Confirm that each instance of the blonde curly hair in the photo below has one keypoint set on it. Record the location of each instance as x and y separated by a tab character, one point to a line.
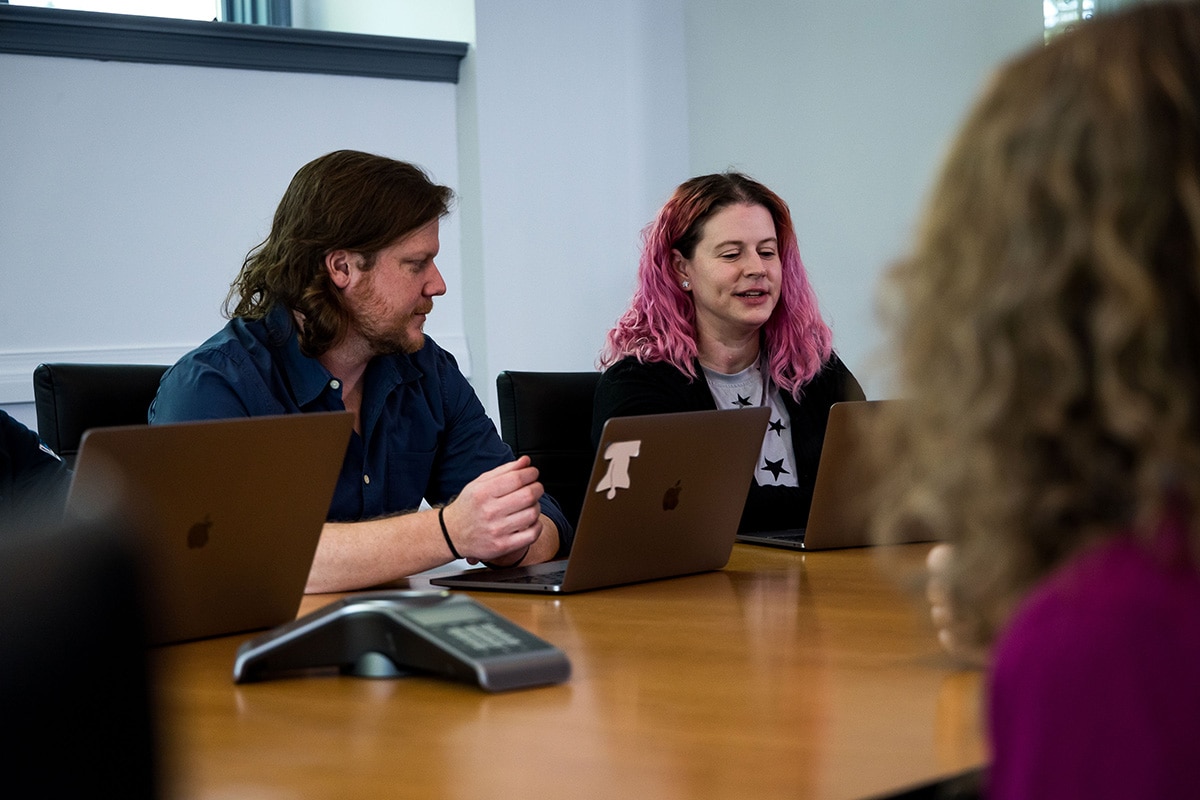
1047	320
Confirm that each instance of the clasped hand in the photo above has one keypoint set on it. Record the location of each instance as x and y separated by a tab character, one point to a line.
497	515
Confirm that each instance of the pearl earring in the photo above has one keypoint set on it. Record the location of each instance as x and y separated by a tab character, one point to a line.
687	285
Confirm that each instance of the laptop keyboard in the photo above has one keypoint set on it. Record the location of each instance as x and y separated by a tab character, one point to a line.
541	577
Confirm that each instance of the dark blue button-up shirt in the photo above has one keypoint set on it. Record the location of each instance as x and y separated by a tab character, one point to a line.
424	435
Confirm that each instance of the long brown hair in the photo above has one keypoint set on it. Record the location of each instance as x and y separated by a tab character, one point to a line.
1047	319
344	200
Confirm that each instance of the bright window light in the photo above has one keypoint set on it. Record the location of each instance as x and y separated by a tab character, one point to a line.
205	10
1062	15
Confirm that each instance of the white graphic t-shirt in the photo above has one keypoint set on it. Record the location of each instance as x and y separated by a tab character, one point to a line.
777	462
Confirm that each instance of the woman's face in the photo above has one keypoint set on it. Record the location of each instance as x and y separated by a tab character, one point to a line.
734	272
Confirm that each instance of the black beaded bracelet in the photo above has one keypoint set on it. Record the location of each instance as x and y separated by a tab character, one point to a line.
446	533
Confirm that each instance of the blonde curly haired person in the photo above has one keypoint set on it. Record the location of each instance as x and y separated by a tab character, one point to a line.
1046	327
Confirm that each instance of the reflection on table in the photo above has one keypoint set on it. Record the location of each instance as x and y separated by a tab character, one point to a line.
783	675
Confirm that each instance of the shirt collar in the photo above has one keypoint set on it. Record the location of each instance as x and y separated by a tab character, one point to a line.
305	375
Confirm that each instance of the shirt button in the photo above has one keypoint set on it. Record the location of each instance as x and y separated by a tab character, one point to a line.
335	384
366	478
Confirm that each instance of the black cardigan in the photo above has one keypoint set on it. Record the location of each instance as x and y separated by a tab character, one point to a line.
629	388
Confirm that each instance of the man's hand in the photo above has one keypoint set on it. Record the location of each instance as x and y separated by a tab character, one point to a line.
497	514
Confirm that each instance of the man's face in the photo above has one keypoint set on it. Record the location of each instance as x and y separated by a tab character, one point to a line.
389	302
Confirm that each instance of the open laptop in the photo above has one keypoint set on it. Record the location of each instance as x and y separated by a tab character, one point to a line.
664	499
839	513
224	514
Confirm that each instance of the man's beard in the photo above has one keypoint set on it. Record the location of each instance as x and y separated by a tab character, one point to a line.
395	340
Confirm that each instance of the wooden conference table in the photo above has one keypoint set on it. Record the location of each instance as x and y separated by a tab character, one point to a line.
783	675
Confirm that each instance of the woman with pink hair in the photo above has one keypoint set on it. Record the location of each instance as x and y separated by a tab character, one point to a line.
724	317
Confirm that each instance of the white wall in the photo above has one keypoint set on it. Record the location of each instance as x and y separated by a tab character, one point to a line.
576	113
578	120
844	109
130	193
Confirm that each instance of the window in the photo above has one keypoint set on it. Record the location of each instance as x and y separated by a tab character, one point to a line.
28	29
203	10
1062	15
438	20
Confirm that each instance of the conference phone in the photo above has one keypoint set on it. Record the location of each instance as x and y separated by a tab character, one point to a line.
389	634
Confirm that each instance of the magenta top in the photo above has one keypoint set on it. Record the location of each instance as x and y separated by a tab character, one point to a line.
1095	684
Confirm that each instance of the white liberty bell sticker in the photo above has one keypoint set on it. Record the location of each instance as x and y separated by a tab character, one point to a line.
618	455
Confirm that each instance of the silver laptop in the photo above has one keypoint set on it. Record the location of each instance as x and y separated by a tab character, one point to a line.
225	514
839	514
664	499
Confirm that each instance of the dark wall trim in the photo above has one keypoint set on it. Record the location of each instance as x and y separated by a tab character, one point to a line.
154	40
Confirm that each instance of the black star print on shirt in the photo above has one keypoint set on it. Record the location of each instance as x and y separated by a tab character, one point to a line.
774	467
777	426
742	401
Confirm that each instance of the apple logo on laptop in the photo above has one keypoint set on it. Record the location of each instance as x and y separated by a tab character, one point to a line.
671	496
198	534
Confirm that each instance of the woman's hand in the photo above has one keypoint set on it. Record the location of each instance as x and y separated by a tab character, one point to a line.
941	607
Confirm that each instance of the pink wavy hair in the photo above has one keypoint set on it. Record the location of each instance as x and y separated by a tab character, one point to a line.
660	323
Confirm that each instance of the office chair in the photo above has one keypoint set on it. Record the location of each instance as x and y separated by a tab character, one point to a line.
70	398
548	416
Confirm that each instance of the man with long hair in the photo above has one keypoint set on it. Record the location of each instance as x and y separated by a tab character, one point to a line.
327	314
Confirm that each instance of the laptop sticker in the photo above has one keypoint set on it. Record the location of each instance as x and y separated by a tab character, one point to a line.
618	455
